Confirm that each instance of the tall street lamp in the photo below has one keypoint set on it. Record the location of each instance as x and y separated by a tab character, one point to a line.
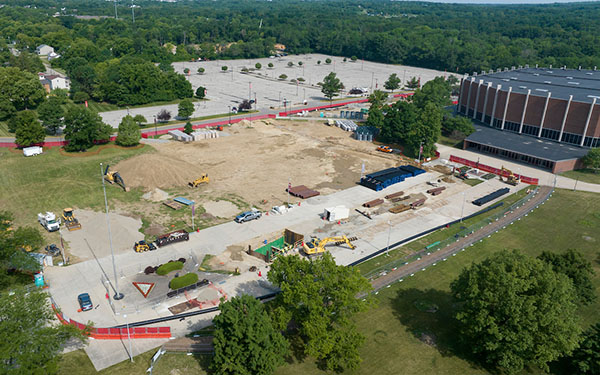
155	127
117	295
128	337
229	114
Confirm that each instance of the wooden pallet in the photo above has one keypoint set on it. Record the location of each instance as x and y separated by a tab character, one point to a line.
174	205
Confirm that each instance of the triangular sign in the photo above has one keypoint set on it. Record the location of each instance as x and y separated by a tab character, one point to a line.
144	288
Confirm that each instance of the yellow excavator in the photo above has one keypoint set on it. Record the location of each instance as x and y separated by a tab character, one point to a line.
69	219
316	246
114	178
511	179
201	180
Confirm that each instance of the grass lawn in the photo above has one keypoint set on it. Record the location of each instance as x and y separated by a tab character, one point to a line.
77	362
452	142
472	181
66	181
4	130
585	175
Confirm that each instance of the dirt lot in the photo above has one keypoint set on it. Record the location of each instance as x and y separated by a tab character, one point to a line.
253	165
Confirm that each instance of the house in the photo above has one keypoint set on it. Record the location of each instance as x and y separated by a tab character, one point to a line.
52	56
44	50
53	82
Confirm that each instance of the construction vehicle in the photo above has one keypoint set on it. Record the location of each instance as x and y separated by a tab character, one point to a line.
69	219
511	179
385	149
49	221
201	180
316	246
143	246
114	178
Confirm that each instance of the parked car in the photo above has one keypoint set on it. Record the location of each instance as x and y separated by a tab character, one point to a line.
386	149
247	216
85	302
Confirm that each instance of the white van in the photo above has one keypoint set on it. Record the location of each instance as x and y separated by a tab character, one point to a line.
32	151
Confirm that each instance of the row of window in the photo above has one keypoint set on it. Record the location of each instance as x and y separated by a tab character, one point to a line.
512	155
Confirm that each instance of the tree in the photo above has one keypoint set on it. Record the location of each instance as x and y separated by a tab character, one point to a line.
345	59
258	66
320	298
200	92
400	119
425	133
20	90
283	77
245	340
300	63
186	71
413	83
32	338
375	117
353	58
80	97
185	109
12	243
224	68
270	65
392	83
129	132
586	359
163	115
331	86
436	91
188	128
318	62
51	114
166	67
515	311
377	98
592	159
139	120
328	61
290	64
579	270
457	127
83	127
201	70
29	130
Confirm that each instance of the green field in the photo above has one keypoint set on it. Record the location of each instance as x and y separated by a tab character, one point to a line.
66	181
585	175
393	328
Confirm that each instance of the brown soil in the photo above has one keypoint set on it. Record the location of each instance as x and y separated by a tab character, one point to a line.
256	162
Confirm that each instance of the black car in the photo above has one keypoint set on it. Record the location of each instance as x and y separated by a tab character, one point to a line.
85	302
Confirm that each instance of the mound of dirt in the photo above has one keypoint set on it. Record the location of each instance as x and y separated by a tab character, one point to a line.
220	208
152	171
156	195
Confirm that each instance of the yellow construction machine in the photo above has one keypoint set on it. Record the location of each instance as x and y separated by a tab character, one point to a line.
114	178
511	179
202	180
316	246
69	219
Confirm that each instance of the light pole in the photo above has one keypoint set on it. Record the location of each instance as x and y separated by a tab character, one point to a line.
249	91
155	127
285	106
387	249
420	150
304	95
117	295
229	107
462	211
128	337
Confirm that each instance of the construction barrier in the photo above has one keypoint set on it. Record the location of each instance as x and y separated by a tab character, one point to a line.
496	171
116	333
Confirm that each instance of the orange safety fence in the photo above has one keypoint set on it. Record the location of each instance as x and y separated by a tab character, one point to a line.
496	171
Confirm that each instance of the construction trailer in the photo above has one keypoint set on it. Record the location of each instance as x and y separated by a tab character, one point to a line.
336	213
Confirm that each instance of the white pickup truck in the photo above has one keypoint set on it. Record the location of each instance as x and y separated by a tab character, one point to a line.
49	221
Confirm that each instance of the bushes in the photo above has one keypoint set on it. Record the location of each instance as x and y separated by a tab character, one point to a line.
183	281
169	267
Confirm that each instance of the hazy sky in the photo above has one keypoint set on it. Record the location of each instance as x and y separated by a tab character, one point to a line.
507	1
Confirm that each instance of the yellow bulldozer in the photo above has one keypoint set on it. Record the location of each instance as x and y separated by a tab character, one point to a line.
114	178
201	180
316	246
69	219
511	179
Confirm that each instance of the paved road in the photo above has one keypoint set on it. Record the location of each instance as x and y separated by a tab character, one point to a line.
542	194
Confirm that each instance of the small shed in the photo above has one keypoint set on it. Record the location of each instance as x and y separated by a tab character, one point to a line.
336	213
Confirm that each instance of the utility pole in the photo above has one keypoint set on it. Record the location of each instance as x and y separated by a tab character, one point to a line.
117	295
132	12
116	16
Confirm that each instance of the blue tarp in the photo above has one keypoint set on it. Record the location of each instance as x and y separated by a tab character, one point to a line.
185	201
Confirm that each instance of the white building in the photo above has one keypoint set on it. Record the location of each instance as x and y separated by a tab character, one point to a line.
44	50
53	82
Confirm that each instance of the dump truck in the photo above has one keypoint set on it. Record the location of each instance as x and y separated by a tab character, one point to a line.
49	221
173	237
69	219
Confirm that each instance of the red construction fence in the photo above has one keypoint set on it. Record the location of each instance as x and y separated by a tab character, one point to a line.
487	168
117	333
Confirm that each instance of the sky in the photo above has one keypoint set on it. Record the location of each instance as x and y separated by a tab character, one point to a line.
505	1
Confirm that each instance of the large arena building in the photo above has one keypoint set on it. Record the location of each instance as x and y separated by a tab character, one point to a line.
541	116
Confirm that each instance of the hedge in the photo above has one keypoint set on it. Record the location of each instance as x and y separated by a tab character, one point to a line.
168	267
183	281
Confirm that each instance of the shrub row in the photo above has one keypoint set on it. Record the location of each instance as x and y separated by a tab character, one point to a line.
183	281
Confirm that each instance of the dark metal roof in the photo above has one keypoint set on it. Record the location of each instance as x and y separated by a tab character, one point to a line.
526	144
584	85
